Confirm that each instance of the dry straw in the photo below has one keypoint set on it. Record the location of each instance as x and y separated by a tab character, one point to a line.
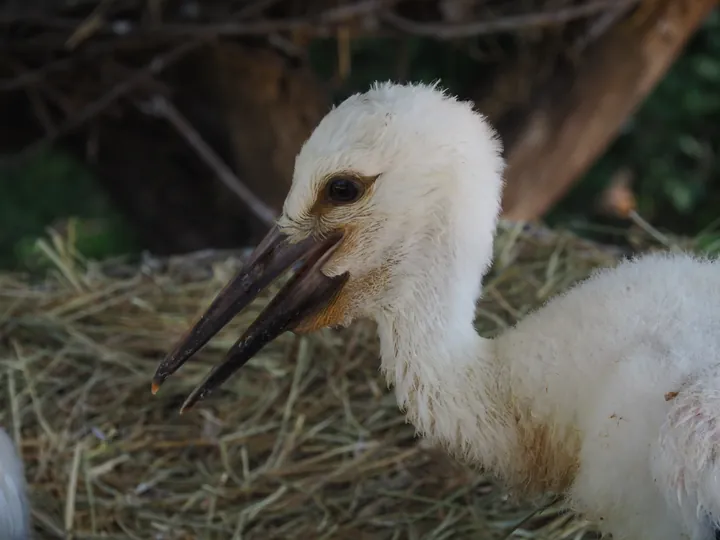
306	442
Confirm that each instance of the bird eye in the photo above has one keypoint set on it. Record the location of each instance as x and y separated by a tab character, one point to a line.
344	190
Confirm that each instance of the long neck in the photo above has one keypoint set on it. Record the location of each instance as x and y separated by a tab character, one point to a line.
447	378
456	387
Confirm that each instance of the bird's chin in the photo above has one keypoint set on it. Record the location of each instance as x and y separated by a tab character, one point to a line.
315	324
336	314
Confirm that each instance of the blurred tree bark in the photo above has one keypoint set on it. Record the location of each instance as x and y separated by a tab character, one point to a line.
270	108
251	107
570	120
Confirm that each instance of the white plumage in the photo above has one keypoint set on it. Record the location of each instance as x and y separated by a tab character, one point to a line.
14	509
610	393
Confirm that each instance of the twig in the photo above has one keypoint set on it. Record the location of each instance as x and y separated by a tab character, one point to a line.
90	25
259	27
315	23
287	46
42	113
649	229
30	77
162	107
601	25
156	65
503	24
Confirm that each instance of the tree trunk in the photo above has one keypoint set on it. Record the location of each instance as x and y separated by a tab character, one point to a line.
270	109
251	108
572	124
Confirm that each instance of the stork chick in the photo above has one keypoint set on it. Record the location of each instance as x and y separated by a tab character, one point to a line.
610	394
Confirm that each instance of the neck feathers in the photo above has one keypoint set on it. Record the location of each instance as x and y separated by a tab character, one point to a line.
445	375
453	385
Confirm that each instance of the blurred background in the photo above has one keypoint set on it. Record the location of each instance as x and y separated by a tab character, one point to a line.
171	125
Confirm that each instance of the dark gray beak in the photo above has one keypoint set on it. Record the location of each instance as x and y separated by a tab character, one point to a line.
304	294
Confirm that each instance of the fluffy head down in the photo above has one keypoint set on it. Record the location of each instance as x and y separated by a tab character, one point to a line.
430	165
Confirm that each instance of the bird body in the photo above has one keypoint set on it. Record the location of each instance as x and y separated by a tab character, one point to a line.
609	394
14	509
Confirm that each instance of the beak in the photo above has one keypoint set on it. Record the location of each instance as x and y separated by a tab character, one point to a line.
304	294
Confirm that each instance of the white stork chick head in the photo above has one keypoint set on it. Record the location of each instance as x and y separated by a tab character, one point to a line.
398	170
395	195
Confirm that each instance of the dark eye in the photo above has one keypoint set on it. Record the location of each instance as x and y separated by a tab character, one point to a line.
344	190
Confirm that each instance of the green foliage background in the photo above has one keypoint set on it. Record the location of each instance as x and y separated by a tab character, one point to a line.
671	145
47	192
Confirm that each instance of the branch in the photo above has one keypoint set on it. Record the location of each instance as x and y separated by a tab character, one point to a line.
154	67
162	107
503	24
330	17
30	77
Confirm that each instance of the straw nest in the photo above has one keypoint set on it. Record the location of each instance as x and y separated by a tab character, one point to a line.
306	442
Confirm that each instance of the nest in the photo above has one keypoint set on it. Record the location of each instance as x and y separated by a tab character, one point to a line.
306	442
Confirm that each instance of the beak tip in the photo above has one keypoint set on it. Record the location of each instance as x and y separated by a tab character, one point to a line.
170	364
189	402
